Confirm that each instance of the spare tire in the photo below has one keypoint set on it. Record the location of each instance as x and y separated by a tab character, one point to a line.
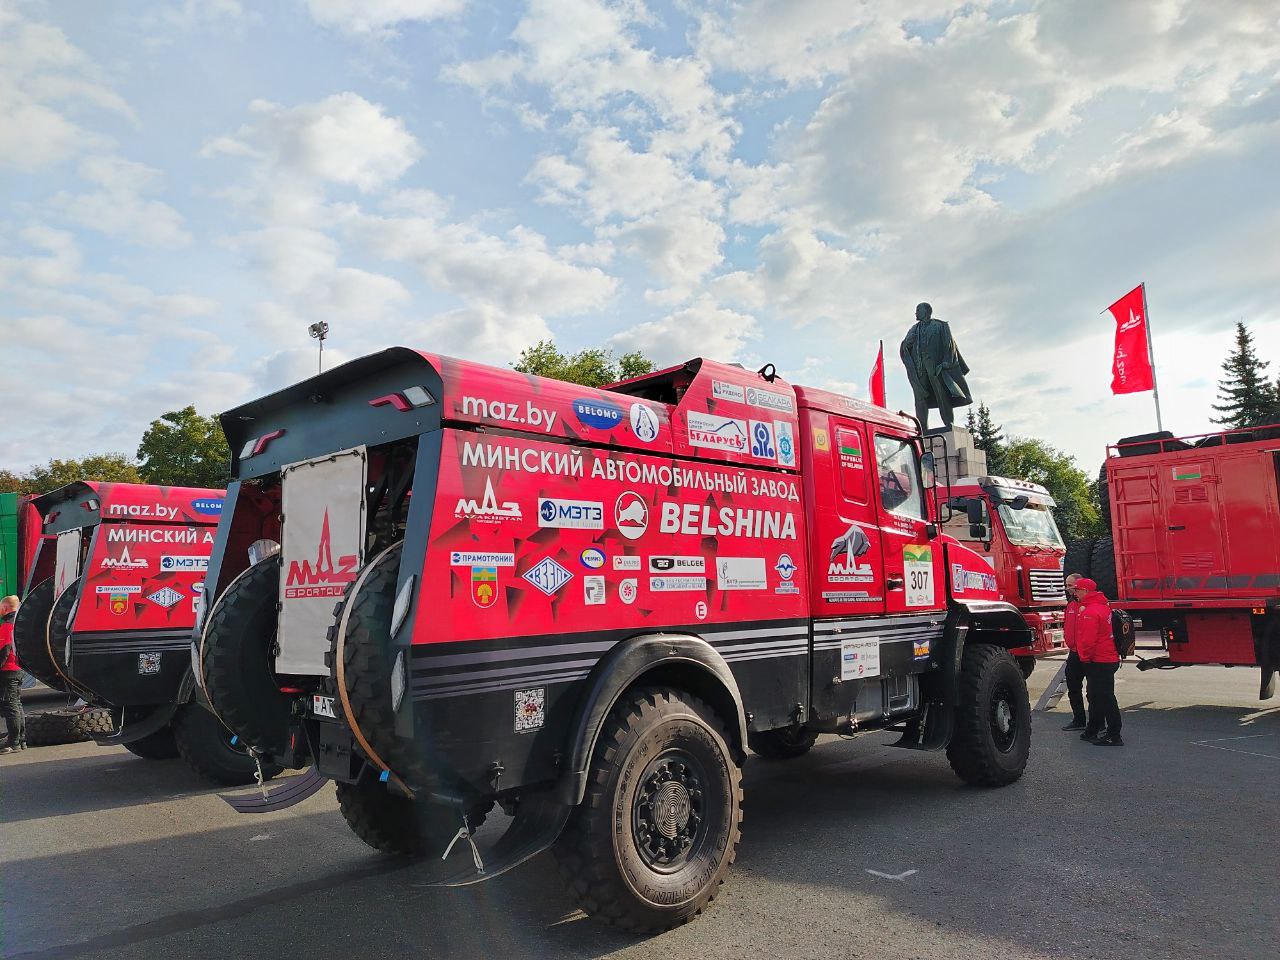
59	631
31	638
73	725
1078	557
236	660
1102	567
1104	496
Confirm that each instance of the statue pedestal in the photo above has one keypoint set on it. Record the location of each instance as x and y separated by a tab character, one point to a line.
963	458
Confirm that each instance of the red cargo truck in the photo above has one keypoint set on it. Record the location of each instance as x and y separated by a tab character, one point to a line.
1195	546
585	605
114	589
1011	523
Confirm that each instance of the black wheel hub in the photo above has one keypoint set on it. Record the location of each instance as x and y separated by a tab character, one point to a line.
667	813
1004	718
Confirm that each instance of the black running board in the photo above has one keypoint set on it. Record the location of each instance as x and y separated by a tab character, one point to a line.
292	791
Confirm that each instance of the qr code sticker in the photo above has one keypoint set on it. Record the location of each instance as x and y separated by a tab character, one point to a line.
148	664
531	709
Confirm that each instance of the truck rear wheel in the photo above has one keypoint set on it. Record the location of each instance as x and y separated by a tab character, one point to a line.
1103	567
992	737
652	840
1079	553
785	744
394	824
207	747
160	745
235	658
31	637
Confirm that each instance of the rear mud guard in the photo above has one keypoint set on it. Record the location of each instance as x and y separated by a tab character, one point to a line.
156	720
292	791
538	822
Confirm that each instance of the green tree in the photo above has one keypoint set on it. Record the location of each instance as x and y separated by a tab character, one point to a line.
988	436
1248	396
1077	512
11	482
103	467
592	367
184	449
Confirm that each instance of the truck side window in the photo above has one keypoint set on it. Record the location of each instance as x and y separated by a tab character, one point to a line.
851	464
899	476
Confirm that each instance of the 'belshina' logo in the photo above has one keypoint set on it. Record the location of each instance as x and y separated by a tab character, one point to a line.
488	508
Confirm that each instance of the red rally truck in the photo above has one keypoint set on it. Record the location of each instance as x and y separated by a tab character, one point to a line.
1011	523
1195	546
111	600
584	605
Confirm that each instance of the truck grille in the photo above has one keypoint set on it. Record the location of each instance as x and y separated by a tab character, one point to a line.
1046	585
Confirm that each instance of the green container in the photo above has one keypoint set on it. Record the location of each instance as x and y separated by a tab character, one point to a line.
9	545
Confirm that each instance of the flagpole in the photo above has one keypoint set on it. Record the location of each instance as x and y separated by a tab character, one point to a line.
1151	357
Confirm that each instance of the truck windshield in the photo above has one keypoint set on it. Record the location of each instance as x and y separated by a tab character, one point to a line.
1031	526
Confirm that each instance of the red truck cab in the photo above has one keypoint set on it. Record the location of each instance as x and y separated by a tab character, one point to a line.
1011	523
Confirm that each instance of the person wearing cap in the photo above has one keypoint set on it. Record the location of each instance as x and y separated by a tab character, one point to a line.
1101	661
1075	669
11	681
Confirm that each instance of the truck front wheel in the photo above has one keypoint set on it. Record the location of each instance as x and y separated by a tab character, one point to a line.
650	844
992	735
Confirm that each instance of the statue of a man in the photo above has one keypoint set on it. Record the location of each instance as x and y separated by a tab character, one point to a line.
935	368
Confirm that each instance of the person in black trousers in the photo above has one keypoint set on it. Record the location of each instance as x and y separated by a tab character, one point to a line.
11	681
1101	659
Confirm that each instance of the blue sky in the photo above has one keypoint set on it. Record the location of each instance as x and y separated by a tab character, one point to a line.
184	187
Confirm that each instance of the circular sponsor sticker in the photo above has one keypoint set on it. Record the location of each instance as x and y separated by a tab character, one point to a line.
644	423
631	515
627	590
700	609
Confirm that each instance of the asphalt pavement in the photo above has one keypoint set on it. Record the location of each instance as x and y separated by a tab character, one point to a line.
1165	848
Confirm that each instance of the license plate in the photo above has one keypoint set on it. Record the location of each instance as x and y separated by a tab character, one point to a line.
323	707
1055	637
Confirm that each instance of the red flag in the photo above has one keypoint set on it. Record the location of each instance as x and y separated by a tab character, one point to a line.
1131	367
877	379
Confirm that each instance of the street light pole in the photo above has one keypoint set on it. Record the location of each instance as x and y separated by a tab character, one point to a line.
318	331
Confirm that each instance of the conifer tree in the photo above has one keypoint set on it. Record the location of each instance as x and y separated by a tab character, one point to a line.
988	436
1246	393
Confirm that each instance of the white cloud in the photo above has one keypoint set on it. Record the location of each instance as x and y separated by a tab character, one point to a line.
342	139
699	330
118	209
380	16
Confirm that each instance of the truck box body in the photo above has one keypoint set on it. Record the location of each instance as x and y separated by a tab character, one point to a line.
1196	525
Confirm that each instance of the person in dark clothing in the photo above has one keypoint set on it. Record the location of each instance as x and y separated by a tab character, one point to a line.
1101	661
1075	669
11	681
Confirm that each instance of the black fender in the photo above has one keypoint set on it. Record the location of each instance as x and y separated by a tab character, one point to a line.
994	621
680	660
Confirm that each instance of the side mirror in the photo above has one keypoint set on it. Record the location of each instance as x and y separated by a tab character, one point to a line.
927	469
931	530
974	510
1019	502
979	531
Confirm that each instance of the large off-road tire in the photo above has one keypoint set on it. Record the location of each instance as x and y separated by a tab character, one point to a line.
394	824
160	745
658	829
785	744
992	737
1103	567
1078	557
30	636
236	660
1104	496
363	619
207	747
74	725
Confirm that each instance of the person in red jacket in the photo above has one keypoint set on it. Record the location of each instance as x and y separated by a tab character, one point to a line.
11	681
1075	669
1101	660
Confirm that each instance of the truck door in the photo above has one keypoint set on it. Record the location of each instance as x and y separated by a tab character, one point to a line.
1194	528
912	563
847	579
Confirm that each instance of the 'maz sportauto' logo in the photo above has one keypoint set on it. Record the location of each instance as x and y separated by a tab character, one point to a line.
324	579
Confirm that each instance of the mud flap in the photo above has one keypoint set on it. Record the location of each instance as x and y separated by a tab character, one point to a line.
156	720
932	732
537	825
287	794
